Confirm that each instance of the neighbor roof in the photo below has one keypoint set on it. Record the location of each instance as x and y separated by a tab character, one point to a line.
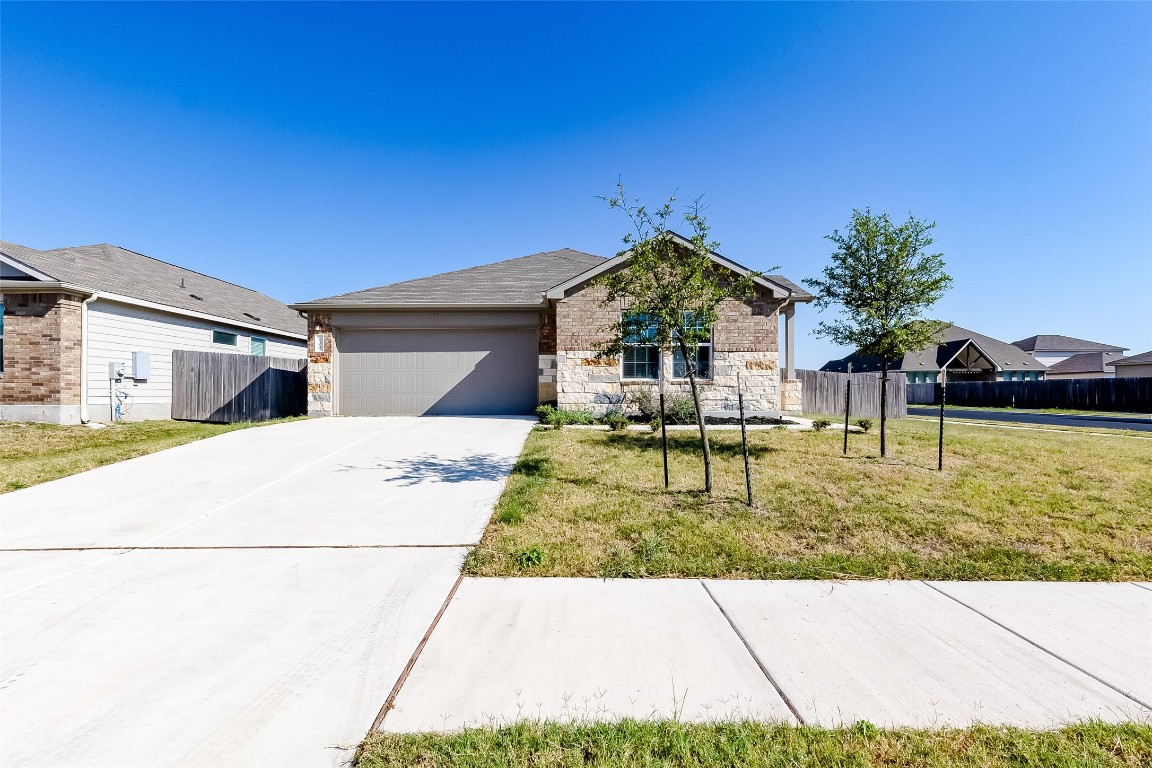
115	270
1057	343
1085	362
1144	358
932	358
521	281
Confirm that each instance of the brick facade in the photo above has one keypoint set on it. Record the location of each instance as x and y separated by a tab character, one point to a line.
42	349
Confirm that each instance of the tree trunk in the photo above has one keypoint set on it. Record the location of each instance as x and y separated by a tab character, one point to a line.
883	407
690	366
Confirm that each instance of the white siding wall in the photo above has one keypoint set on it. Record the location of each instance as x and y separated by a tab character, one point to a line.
115	331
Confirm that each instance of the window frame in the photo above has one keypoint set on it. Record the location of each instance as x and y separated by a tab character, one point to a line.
709	345
216	335
263	346
650	350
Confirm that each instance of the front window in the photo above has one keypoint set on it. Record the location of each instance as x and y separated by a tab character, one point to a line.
641	358
703	358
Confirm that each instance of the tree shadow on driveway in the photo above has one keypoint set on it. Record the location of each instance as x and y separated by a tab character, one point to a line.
435	469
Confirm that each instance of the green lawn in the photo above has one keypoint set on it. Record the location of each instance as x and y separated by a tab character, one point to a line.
1011	504
632	744
37	453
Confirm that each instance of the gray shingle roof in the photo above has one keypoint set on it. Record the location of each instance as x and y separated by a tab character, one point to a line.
1009	357
1085	362
1144	358
514	281
1056	343
112	269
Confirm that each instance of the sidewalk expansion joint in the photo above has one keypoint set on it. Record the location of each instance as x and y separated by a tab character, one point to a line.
1141	586
390	702
755	657
1035	644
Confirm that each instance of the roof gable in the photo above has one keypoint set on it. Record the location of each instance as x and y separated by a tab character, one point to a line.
512	282
780	286
1144	358
1057	343
1086	362
110	269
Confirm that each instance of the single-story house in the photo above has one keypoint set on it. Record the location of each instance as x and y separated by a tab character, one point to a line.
1133	366
71	313
503	338
964	354
1052	348
1085	365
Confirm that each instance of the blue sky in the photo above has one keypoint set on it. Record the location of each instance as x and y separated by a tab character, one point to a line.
310	149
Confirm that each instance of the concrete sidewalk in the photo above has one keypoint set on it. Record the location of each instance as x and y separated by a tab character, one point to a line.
829	653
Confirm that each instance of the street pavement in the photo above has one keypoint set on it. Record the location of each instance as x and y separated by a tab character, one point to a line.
1095	421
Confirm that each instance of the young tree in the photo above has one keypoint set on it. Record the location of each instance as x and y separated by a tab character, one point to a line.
671	288
885	280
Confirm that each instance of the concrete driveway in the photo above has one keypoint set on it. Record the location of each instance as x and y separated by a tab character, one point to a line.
250	599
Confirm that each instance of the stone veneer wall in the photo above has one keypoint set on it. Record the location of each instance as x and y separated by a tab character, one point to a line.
42	350
320	364
792	396
745	340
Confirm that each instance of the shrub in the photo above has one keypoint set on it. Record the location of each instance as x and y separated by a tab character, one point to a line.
556	418
616	421
655	424
680	409
646	400
821	424
864	424
530	557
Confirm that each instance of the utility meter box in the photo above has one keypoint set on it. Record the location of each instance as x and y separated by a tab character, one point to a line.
141	365
115	371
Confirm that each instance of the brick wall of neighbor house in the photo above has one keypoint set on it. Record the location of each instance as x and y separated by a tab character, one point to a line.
320	364
745	340
546	387
41	349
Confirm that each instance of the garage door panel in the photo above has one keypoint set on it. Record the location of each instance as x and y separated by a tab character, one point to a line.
437	371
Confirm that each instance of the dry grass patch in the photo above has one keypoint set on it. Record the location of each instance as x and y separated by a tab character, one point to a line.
632	744
37	453
1009	505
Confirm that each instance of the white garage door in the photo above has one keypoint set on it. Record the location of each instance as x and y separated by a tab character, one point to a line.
402	372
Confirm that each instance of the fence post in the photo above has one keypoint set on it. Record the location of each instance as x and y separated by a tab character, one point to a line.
663	430
943	398
847	407
744	438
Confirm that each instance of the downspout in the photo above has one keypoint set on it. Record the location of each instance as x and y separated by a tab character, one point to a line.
84	358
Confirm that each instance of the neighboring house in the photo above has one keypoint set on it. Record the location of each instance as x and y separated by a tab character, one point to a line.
1133	365
964	354
1086	365
502	338
1052	348
71	312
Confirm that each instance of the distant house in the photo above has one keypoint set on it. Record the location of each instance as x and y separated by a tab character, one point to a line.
1086	365
1133	365
71	313
964	354
1052	348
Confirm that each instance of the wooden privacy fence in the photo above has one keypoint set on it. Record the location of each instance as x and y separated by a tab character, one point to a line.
922	394
224	387
824	393
1129	394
